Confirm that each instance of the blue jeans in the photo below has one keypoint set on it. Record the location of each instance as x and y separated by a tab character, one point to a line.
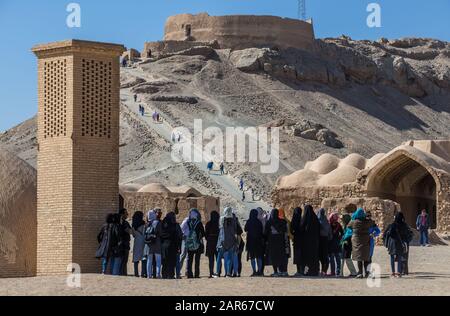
335	263
116	265
423	236
254	262
231	262
157	257
399	264
219	261
104	265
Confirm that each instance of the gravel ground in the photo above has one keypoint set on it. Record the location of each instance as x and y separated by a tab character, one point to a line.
430	275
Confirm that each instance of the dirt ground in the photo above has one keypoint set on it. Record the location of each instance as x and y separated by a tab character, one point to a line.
430	275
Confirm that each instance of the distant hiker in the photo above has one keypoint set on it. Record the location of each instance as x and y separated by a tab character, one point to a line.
106	242
179	137
253	194
138	225
170	245
297	237
325	237
241	184
396	238
255	243
153	245
135	98
309	242
155	116
124	62
222	169
212	236
125	231
210	166
275	231
173	136
422	225
334	249
243	196
360	226
194	243
346	247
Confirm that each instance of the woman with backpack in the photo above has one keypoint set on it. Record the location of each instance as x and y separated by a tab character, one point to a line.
212	236
153	245
170	245
138	225
334	249
396	238
255	243
104	240
194	243
276	230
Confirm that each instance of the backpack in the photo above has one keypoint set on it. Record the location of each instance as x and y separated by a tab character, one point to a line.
192	240
150	234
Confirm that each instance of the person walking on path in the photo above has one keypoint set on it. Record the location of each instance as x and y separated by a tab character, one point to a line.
222	169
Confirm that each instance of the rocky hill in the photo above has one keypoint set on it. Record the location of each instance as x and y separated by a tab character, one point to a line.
344	96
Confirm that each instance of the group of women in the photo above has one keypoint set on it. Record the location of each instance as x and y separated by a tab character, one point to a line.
322	244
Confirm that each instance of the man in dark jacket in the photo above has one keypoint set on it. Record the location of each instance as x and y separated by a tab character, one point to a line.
423	224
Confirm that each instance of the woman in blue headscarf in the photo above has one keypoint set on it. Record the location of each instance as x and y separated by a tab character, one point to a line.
360	226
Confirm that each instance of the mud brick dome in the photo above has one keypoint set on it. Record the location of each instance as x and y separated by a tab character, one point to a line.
17	217
240	31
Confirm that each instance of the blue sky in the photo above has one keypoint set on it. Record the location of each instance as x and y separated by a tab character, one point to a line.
24	23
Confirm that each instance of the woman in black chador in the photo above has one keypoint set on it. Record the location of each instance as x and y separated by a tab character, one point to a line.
309	242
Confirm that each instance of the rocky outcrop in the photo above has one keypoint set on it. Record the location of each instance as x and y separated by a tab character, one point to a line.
314	131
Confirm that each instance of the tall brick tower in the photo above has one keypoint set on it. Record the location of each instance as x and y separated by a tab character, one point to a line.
78	150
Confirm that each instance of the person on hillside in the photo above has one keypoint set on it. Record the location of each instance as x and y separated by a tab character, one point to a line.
222	169
297	237
171	237
135	97
360	226
276	230
152	248
334	249
105	241
309	242
396	239
228	242
346	247
125	232
212	237
423	225
255	243
243	196
241	184
194	243
138	225
325	237
210	166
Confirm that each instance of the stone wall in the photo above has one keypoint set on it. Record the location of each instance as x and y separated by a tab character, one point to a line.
241	31
161	48
140	201
443	204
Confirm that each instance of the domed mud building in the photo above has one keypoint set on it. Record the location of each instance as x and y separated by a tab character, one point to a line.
411	177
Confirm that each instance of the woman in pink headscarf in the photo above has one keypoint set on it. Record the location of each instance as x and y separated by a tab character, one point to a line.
334	250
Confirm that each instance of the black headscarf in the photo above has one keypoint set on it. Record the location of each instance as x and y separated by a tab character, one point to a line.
213	225
138	220
170	219
399	218
309	218
253	222
276	222
296	219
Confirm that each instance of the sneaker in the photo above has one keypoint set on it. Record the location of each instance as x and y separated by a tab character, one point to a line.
393	275
215	276
274	275
359	276
298	275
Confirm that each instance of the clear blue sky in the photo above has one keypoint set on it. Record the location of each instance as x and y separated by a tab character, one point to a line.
24	23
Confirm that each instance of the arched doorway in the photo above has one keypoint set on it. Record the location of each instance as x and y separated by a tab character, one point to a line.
407	182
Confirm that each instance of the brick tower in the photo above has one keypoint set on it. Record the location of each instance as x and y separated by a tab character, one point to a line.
78	150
